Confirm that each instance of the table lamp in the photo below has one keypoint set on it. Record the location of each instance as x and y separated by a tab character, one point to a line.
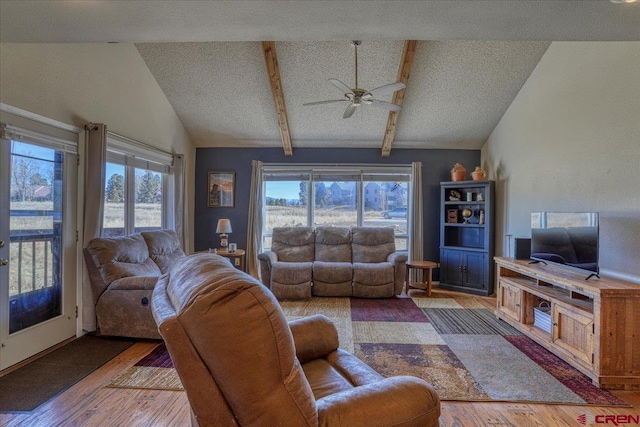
224	227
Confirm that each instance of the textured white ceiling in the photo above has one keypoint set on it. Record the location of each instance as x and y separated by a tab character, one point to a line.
456	94
220	91
472	60
459	90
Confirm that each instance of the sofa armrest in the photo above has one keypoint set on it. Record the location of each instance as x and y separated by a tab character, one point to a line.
399	261
266	259
314	337
397	258
98	286
269	257
394	401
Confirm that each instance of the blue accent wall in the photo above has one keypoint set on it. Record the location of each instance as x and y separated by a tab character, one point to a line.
436	167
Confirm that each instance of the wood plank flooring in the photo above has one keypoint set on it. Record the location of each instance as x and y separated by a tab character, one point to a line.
89	403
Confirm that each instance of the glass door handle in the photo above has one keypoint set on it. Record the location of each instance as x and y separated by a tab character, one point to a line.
1	243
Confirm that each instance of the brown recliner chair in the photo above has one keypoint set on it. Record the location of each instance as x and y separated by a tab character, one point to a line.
242	364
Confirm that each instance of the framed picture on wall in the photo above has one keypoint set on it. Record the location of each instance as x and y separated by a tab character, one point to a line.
221	189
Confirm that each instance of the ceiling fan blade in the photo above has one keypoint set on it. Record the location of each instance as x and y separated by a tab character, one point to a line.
349	111
330	101
382	90
343	87
386	105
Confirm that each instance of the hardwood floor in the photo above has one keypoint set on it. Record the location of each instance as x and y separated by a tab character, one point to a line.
89	403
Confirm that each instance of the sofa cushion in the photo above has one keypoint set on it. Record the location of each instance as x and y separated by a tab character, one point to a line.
373	274
332	272
118	257
333	244
134	283
372	244
164	248
291	272
324	379
332	279
293	244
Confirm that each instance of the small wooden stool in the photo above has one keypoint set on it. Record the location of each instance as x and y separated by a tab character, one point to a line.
426	267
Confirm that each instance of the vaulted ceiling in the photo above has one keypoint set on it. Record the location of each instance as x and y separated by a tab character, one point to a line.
471	59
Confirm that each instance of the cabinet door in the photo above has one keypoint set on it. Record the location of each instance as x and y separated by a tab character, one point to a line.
510	300
474	270
573	331
451	264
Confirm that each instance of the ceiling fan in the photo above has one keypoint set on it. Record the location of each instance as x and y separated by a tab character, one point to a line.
357	96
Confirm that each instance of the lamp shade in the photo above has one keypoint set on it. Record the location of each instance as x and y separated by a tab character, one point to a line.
224	226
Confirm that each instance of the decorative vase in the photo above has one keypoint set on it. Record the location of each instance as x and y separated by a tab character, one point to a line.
479	174
458	173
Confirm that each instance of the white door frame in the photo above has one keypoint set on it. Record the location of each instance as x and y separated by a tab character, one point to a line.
30	341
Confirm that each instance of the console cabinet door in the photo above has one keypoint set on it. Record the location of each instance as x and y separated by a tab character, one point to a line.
573	331
474	270
510	300
451	265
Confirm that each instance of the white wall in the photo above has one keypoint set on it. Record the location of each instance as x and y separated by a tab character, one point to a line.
570	141
102	83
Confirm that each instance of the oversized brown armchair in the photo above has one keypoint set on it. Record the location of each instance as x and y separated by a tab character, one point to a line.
242	364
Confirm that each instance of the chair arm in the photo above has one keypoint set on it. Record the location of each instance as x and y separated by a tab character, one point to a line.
269	257
314	337
399	261
396	401
266	259
397	258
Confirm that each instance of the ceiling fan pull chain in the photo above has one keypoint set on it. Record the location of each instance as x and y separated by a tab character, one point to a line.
355	45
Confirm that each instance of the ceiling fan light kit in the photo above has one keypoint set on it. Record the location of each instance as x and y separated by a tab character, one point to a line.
358	96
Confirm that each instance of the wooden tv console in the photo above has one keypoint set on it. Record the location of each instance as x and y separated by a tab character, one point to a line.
595	324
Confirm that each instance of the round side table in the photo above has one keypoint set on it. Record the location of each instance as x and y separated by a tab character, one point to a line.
426	267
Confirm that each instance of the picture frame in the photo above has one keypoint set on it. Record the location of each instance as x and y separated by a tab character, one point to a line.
221	189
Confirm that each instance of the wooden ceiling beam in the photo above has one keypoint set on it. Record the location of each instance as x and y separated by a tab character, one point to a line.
273	71
404	70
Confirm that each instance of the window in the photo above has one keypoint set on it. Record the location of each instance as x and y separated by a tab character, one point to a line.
367	196
335	200
113	222
148	205
136	186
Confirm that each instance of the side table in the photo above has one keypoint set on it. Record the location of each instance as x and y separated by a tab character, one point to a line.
426	267
236	258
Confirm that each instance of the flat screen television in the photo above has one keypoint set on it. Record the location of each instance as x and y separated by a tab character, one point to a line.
566	238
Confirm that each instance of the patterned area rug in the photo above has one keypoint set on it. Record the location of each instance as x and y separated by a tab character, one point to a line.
455	344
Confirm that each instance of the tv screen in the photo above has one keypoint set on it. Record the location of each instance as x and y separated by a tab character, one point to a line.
567	238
